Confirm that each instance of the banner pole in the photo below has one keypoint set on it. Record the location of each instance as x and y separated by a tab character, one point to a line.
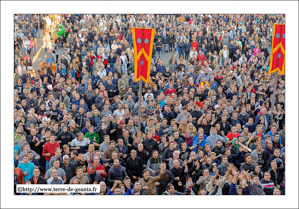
273	96
140	104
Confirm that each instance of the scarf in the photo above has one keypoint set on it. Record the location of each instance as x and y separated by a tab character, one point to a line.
117	172
224	165
158	162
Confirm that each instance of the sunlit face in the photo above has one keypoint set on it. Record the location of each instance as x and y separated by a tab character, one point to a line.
276	191
206	172
267	176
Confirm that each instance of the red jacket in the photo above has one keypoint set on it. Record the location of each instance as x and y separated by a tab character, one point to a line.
91	60
100	167
194	44
157	138
202	58
231	136
199	104
19	173
50	148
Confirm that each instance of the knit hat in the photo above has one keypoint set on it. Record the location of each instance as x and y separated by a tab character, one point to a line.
121	122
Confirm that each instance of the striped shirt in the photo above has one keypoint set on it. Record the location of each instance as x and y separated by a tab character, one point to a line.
268	186
255	190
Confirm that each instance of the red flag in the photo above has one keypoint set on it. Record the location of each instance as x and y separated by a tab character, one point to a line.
277	58
143	39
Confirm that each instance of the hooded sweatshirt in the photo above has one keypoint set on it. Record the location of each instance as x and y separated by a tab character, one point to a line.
234	146
214	137
153	164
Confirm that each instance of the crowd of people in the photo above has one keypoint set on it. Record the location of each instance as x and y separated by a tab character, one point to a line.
207	127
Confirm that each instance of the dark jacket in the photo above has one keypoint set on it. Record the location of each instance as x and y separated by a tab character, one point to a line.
95	177
112	175
233	190
167	179
269	186
79	119
65	137
266	155
143	156
150	146
135	86
226	128
178	173
278	176
247	167
181	46
268	164
218	150
165	40
187	47
134	167
40	180
123	150
121	162
69	171
169	116
142	192
238	159
167	154
126	141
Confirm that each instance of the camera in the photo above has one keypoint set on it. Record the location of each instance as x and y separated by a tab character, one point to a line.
48	114
187	191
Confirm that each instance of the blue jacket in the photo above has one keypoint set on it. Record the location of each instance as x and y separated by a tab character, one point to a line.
110	87
76	102
27	168
158	49
251	128
161	69
181	46
180	140
109	70
84	130
187	47
85	108
35	162
115	82
233	190
24	79
238	158
169	116
202	144
222	170
234	122
95	79
213	86
267	118
272	136
129	192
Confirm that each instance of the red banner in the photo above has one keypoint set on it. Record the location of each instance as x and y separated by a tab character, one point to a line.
277	58
143	39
